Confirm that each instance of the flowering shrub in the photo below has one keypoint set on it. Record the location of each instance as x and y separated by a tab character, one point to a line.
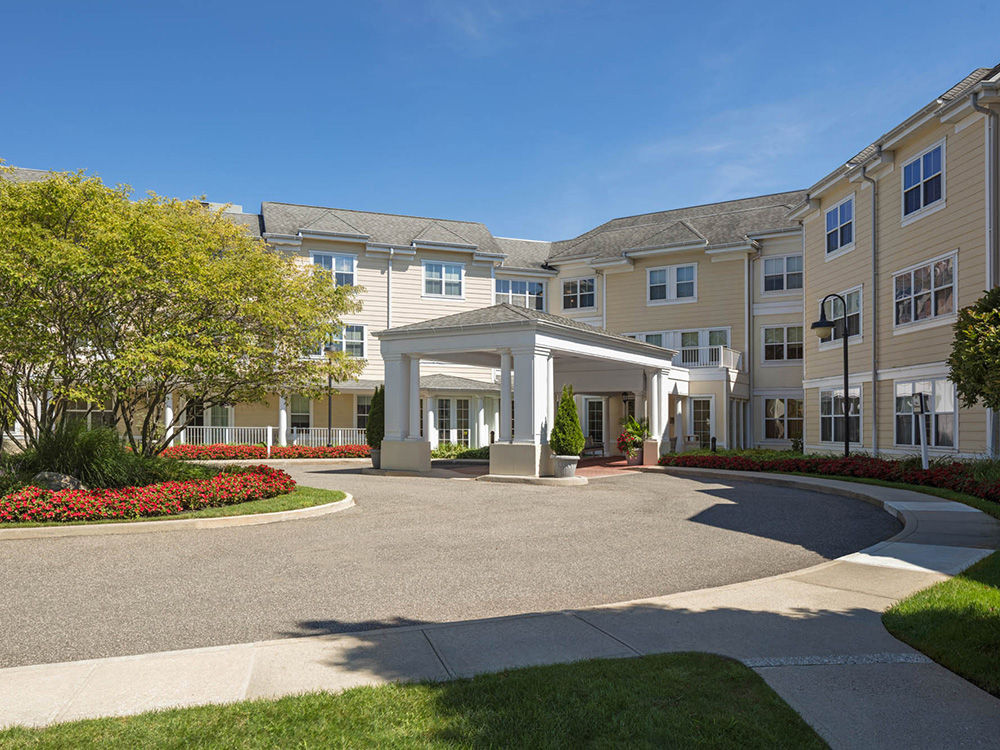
234	452
952	475
629	444
165	499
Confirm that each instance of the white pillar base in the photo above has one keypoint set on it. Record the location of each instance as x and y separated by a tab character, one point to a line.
406	455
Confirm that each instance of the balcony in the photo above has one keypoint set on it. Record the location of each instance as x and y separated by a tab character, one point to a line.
709	356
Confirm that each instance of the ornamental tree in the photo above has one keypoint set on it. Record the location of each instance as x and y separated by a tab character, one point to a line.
118	303
566	437
975	352
375	429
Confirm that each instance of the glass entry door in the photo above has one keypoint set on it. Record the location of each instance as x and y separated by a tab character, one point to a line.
701	420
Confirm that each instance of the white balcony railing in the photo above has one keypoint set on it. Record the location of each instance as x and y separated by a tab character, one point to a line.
709	356
228	435
318	436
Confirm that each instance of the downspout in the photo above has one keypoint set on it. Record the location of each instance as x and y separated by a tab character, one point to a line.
874	299
388	290
747	335
604	299
992	243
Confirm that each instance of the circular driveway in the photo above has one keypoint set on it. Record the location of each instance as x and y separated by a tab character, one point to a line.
413	550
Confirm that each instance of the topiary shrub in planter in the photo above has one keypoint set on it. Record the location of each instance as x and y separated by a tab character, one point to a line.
566	436
375	430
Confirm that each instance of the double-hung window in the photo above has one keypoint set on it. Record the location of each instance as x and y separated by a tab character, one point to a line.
831	415
840	226
530	294
350	339
940	419
443	279
782	343
783	418
340	267
672	284
579	294
925	292
364	406
298	413
835	314
782	274
923	180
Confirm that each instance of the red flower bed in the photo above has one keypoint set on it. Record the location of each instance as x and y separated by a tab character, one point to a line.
168	498
235	452
951	476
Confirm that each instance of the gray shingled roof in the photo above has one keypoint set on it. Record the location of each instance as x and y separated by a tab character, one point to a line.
530	254
507	313
710	224
388	229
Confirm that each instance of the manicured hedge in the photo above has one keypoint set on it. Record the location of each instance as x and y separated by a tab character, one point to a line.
165	499
234	452
951	475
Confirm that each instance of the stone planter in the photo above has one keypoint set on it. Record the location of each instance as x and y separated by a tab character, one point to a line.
634	460
376	458
564	466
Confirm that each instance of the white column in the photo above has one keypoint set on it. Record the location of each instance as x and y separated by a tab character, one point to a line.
663	419
396	386
653	386
503	435
282	420
530	405
679	427
414	397
168	416
550	397
430	422
482	437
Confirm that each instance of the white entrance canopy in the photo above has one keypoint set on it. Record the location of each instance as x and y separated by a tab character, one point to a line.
536	354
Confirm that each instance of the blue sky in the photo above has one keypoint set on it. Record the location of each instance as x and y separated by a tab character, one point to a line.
541	119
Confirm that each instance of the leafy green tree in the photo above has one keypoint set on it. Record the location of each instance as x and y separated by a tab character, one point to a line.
566	436
975	352
118	303
375	430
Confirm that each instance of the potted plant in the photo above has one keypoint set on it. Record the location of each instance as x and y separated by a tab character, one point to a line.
566	437
630	441
375	430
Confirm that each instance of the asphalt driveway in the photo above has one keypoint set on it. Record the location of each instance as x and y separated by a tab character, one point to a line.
413	550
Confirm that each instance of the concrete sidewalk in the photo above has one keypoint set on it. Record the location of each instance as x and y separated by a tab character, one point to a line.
815	635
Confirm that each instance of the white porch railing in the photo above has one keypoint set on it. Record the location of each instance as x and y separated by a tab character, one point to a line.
316	437
228	435
709	356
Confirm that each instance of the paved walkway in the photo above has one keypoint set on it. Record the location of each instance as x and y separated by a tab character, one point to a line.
815	635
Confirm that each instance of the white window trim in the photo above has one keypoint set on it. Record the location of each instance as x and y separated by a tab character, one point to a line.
545	291
763	418
854	228
939	449
712	414
861	413
364	341
786	291
782	362
423	280
933	321
333	276
671	285
936	205
851	340
562	296
356	415
311	418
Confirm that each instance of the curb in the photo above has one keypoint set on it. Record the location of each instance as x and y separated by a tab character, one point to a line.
546	481
176	524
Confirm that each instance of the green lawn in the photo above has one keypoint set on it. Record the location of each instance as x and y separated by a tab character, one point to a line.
956	623
668	700
301	497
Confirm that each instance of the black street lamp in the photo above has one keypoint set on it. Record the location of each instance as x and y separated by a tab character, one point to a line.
824	328
329	351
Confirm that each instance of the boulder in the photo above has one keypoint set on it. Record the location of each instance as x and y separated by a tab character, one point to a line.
53	480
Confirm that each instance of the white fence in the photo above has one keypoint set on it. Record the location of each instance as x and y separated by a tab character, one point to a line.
312	436
709	356
320	436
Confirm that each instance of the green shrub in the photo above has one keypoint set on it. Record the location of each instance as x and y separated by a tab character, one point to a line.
566	436
453	450
375	430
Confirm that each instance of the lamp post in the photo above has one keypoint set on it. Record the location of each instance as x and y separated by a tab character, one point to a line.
329	351
824	328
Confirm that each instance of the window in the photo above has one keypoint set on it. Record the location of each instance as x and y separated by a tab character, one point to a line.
92	414
831	415
444	420
782	343
216	416
672	284
363	408
925	292
656	339
701	420
442	279
340	267
595	420
923	180
835	314
783	418
578	293
782	274
840	226
298	413
350	339
462	421
940	431
689	347
530	294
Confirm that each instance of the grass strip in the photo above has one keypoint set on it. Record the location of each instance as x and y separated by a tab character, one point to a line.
667	700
